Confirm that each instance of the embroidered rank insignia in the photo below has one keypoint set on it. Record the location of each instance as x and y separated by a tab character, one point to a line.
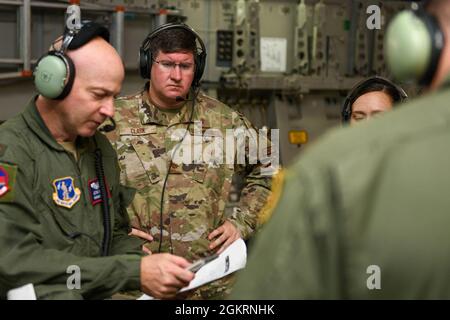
66	194
94	191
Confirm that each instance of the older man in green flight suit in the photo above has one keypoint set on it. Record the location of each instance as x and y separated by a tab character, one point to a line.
58	178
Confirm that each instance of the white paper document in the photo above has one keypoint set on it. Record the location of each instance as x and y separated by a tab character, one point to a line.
273	54
232	259
25	292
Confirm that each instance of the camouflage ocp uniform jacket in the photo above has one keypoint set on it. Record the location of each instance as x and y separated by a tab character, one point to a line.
196	193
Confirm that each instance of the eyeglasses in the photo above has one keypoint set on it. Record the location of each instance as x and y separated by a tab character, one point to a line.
170	65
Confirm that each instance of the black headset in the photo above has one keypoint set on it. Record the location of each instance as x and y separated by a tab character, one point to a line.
146	59
54	73
361	86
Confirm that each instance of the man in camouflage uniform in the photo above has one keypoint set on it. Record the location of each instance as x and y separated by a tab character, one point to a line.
192	194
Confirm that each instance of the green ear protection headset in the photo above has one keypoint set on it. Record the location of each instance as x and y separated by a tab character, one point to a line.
414	43
146	59
54	73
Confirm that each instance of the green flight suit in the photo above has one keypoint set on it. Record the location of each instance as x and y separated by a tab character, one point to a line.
51	218
364	214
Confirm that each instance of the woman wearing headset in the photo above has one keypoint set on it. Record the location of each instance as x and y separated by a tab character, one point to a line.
370	97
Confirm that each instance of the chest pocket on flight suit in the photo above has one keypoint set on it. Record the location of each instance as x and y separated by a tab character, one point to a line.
74	229
58	223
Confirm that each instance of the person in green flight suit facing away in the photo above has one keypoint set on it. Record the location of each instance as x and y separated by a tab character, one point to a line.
364	214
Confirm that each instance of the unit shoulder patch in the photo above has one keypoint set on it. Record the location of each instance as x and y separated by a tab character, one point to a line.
7	182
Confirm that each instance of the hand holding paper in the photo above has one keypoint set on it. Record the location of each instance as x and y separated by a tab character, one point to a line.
232	259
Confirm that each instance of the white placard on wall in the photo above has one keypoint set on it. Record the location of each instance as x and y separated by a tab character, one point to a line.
273	54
